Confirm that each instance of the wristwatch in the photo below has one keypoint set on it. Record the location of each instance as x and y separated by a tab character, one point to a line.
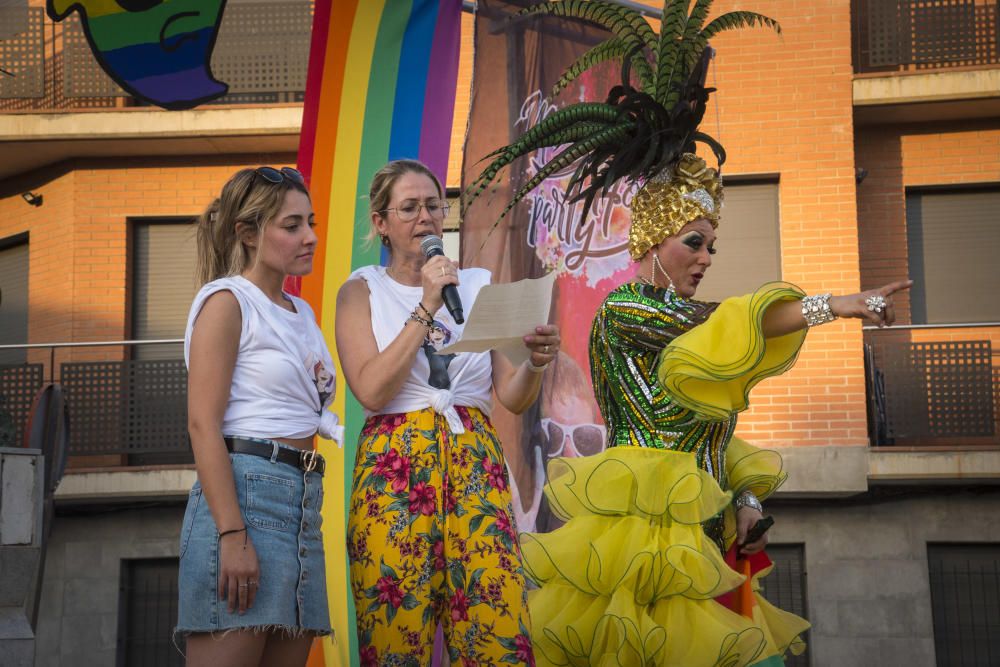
748	499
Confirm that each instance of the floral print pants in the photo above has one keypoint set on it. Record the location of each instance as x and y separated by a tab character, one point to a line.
431	539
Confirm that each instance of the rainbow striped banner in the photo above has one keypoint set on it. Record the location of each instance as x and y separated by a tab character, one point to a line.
381	86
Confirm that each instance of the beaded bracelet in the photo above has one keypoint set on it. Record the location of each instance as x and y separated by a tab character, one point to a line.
415	317
420	305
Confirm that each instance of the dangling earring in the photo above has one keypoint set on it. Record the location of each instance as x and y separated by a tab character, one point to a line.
385	239
658	266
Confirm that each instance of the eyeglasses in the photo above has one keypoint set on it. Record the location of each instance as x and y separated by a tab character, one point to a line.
274	177
410	211
584	439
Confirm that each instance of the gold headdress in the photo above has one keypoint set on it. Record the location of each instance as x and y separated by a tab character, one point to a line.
687	192
644	132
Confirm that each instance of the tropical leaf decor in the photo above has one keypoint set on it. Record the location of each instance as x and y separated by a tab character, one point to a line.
647	121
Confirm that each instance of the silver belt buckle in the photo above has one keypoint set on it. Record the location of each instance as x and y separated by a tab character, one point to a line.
308	460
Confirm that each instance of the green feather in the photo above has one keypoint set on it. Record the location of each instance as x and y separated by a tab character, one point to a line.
689	54
626	24
612	49
671	31
609	136
551	131
734	20
606	14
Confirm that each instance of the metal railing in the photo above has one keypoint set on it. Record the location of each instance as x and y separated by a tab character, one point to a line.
943	392
927	392
916	35
131	408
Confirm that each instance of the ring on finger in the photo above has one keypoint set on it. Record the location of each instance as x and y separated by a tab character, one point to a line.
443	274
876	303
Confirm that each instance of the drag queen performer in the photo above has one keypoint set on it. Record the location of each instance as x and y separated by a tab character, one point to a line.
637	575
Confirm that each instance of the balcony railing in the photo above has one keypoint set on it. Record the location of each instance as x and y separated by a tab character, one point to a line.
132	409
262	52
932	392
915	35
919	393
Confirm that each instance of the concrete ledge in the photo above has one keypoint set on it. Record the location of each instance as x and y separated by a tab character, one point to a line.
123	485
943	467
824	471
32	141
151	124
931	87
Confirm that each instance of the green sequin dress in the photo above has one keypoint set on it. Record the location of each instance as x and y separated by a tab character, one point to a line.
634	324
635	574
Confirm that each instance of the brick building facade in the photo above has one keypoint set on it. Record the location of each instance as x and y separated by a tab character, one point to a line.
846	145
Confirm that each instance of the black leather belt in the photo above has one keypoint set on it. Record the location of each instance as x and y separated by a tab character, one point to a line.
308	461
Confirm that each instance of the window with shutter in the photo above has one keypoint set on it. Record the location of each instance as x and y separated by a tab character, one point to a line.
163	284
953	240
13	298
749	243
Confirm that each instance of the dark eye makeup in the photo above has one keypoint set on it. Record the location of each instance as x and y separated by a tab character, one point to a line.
695	241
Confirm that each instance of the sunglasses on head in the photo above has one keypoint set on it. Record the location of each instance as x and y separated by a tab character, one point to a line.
584	439
273	176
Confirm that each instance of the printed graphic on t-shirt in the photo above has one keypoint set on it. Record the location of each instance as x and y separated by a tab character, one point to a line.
437	337
324	378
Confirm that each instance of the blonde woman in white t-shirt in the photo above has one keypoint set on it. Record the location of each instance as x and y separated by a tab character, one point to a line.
252	582
431	534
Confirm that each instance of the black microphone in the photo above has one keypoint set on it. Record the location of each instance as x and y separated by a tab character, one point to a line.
432	247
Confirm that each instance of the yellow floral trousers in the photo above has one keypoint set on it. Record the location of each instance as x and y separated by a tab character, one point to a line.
431	539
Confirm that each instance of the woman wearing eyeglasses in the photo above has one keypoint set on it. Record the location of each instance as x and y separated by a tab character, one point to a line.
252	581
431	535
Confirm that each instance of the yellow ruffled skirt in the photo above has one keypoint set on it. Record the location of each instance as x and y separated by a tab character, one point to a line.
631	578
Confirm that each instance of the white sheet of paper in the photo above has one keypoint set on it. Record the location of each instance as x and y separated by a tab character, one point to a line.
503	314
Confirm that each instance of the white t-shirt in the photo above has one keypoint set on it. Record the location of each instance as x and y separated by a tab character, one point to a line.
435	381
284	378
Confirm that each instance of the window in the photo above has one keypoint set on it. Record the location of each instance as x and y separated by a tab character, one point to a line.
13	297
147	613
163	284
749	242
965	603
953	239
785	587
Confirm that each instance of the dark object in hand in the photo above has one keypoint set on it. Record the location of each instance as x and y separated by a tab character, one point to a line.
758	529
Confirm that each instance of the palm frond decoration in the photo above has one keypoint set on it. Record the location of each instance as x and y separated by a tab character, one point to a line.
641	128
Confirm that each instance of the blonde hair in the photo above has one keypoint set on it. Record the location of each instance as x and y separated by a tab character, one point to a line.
244	198
380	192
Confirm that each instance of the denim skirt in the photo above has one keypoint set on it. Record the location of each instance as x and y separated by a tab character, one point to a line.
281	508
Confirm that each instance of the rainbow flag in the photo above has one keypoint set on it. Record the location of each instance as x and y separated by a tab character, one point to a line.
381	86
157	51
